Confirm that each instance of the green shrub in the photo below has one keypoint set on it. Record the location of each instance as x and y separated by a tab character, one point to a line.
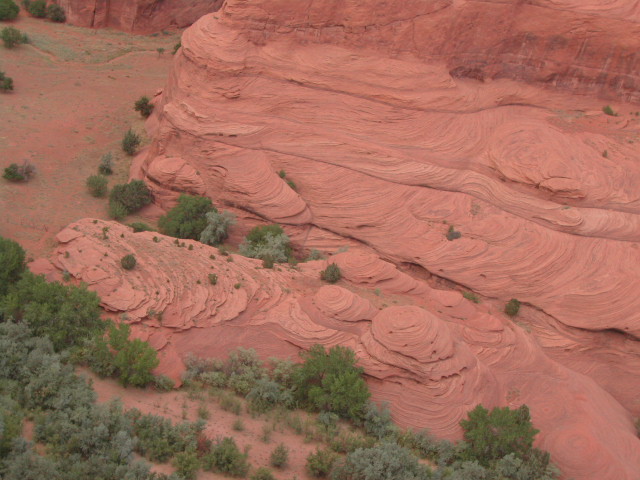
143	106
217	227
213	278
471	297
263	473
97	185
6	83
608	110
267	394
37	8
117	211
67	314
19	173
187	219
280	456
320	462
176	47
187	464
106	164
55	13
131	142
131	196
452	234
377	421
383	462
11	263
141	227
11	37
226	458
128	262
489	436
266	241
331	274
163	383
347	442
8	10
315	255
512	307
331	381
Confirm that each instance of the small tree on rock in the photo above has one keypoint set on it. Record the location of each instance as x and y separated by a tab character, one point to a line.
128	262
143	106
331	274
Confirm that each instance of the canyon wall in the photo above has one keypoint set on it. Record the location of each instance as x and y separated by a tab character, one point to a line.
139	16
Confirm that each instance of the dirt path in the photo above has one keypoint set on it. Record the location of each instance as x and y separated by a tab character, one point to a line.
73	95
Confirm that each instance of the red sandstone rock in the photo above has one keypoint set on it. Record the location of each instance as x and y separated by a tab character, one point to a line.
431	356
140	16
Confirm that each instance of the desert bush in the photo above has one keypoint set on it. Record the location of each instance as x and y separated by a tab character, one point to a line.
229	403
377	421
187	464
238	425
331	381
11	37
143	106
6	83
128	262
267	394
106	164
608	110
331	274
213	278
187	219
262	473
217	227
226	458
471	297
8	10
66	314
37	8
280	456
130	142
386	461
512	307
130	196
163	383
266	241
320	462
491	435
97	185
19	173
420	442
281	371
11	417
117	211
315	255
141	227
244	369
55	13
12	263
176	47
346	442
452	234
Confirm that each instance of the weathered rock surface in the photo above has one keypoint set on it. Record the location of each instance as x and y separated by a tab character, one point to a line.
433	355
140	16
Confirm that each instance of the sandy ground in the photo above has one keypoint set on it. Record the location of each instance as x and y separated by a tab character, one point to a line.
74	90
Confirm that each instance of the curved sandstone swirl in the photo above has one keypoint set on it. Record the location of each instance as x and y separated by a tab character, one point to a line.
433	356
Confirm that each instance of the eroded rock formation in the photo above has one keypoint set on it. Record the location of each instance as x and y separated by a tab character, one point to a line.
433	354
140	16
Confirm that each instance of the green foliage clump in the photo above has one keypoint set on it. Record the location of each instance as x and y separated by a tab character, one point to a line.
377	421
385	461
11	37
262	473
6	85
130	142
19	173
225	457
471	297
491	435
143	106
128	262
106	164
213	278
346	442
37	8
608	110
320	462
141	227
128	198
453	234
65	313
11	417
331	274
97	185
55	13
217	227
187	464
512	307
176	47
187	219
331	381
11	263
8	10
267	394
280	456
268	241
